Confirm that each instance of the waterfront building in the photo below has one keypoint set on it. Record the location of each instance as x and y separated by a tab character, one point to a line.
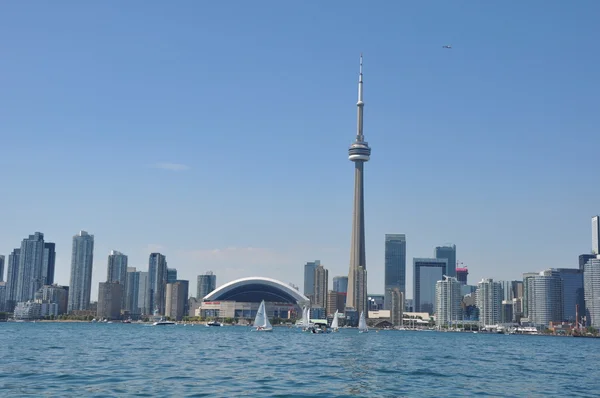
143	291
29	278
54	294
28	310
331	302
110	297
12	276
48	263
489	302
397	306
340	284
395	266
176	301
526	296
545	292
427	271
132	292
207	283
2	268
117	271
157	283
449	253
573	294
82	259
596	235
507	311
309	279
321	286
584	258
2	296
591	281
171	275
359	153
462	274
241	299
447	301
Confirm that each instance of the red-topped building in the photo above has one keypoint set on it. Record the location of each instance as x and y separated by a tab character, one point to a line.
461	275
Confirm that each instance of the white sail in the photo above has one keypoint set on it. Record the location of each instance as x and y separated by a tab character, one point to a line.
334	323
362	323
304	316
262	320
259	320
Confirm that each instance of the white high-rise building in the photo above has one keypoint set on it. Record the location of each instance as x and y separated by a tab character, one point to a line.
447	301
591	283
31	260
546	298
596	235
489	302
82	258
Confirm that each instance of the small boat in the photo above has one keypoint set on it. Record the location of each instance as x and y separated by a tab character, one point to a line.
362	324
214	323
261	321
163	322
319	328
334	323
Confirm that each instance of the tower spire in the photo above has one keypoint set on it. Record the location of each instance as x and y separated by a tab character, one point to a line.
360	104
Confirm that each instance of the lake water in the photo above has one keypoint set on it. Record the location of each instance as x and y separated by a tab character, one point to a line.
80	359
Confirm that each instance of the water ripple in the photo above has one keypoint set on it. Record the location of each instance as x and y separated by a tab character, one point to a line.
134	360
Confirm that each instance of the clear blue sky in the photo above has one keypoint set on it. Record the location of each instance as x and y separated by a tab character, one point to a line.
217	132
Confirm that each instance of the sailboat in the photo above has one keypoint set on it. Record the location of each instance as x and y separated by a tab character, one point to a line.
362	324
334	323
261	322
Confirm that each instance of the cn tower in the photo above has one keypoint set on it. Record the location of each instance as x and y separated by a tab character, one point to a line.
358	153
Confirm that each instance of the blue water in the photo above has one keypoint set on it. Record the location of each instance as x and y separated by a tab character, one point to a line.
60	359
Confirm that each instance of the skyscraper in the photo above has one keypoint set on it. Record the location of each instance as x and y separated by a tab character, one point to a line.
359	153
117	272
572	291
143	292
82	259
1	268
340	284
31	257
591	280
309	279
176	302
110	297
206	284
584	258
596	235
447	301
489	302
462	274
395	266
321	286
526	296
132	291
12	276
397	307
49	263
171	275
427	271
546	298
157	283
449	253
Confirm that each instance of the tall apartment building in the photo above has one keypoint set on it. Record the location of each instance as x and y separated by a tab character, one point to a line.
49	263
395	266
30	275
397	307
309	279
447	301
157	283
591	280
321	286
177	295
448	253
489	302
132	292
206	284
82	259
340	284
110	296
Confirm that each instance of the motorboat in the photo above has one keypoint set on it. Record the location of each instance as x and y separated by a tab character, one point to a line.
163	322
214	323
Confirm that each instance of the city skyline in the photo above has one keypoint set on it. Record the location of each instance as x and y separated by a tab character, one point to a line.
491	151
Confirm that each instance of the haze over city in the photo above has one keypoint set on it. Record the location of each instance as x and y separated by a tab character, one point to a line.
221	138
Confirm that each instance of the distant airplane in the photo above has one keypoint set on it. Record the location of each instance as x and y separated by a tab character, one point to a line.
447	46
